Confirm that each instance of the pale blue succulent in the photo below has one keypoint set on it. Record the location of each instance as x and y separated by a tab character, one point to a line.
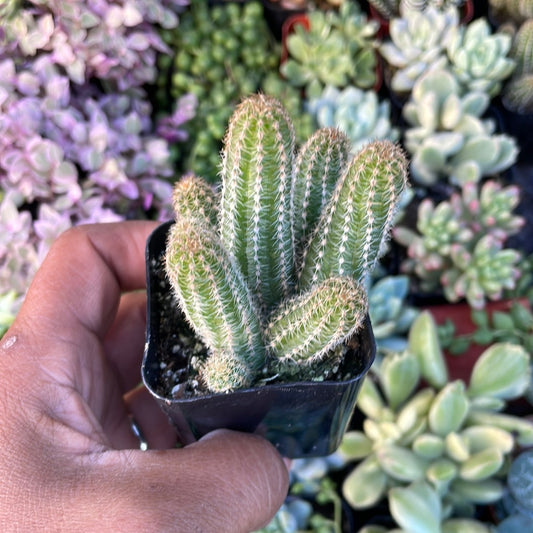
358	113
480	58
418	41
390	314
447	138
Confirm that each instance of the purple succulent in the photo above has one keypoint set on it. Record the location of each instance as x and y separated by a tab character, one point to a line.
77	139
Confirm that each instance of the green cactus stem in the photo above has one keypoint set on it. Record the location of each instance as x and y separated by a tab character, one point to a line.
255	211
213	294
310	325
193	197
354	227
320	162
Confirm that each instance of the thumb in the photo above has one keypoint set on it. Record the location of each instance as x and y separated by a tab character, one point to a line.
226	482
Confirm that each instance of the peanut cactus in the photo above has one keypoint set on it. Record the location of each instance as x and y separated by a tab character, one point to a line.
233	261
352	230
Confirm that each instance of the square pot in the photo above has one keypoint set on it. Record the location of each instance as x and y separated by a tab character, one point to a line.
302	419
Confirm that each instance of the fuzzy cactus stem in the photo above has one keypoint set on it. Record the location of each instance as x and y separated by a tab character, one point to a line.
319	163
354	227
213	294
193	197
257	161
305	328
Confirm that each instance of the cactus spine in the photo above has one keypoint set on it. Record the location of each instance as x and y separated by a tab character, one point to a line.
234	271
193	197
353	229
256	192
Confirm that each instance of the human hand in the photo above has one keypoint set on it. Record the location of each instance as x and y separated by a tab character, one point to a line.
70	366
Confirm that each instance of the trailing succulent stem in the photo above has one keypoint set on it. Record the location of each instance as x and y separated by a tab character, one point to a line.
233	262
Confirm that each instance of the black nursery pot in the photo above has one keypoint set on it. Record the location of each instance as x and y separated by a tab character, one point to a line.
304	419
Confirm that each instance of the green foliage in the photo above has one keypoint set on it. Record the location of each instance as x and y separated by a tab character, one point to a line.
234	270
514	326
436	452
337	50
221	53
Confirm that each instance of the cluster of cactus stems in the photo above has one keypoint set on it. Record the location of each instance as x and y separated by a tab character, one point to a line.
269	271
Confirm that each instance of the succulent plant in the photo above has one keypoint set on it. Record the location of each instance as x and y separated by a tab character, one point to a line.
220	53
417	42
479	58
237	280
446	136
338	49
393	8
519	503
115	41
513	325
459	246
438	451
357	113
390	314
309	483
78	142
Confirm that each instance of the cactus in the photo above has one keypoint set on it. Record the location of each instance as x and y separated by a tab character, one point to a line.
318	165
257	163
353	229
316	321
213	293
459	247
193	197
518	93
233	261
513	11
446	441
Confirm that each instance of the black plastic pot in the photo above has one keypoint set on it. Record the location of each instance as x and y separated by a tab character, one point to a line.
303	419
